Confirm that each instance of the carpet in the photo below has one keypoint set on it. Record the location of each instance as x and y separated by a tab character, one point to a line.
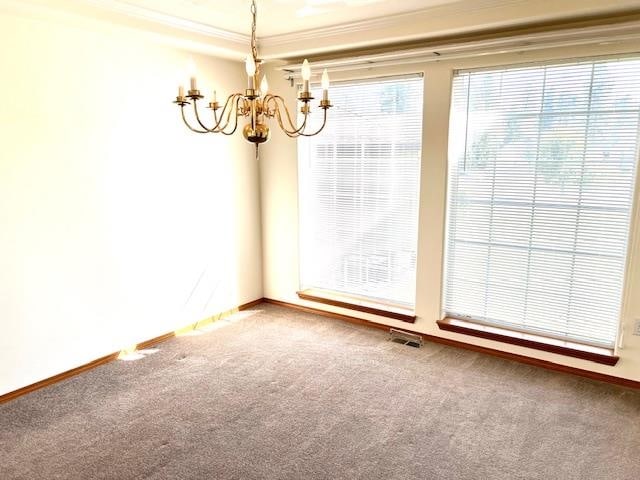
273	393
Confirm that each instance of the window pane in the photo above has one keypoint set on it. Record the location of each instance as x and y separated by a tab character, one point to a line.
359	182
541	174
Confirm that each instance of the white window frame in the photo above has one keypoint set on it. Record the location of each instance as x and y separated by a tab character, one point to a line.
360	298
630	227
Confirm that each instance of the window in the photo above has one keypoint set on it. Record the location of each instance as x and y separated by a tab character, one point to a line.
541	175
359	185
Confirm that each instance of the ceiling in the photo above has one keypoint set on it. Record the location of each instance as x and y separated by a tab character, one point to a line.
276	17
292	29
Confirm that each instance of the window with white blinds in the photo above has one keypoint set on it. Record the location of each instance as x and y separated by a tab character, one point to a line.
541	177
359	185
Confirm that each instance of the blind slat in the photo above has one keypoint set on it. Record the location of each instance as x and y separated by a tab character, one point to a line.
542	163
358	194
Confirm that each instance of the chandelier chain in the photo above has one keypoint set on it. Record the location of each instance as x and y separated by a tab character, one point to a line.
254	48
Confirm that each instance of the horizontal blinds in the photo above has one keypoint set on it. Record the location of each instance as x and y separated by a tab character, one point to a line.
359	182
541	174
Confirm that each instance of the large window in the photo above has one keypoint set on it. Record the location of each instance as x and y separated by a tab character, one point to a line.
541	175
359	183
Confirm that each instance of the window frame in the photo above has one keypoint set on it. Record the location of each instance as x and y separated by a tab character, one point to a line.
363	303
542	341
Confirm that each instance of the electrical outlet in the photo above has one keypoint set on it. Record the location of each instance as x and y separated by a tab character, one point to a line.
636	327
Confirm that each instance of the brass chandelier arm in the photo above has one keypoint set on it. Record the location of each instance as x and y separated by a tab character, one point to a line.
274	98
195	111
292	131
216	128
235	123
184	119
324	122
236	97
227	104
302	133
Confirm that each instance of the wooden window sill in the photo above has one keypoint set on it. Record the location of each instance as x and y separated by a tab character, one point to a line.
359	304
586	352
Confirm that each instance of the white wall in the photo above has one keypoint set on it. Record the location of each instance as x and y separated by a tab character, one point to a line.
280	213
116	223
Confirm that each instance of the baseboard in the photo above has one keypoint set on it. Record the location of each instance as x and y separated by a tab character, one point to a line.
346	318
247	306
101	361
58	378
602	377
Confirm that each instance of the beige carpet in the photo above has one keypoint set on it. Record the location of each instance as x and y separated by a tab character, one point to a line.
286	395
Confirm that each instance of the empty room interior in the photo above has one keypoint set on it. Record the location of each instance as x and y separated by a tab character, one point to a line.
320	239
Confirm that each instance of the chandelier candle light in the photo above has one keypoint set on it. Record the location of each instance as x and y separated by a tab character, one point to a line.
256	105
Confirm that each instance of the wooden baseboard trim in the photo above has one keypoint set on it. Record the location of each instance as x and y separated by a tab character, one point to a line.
602	377
155	341
248	305
346	318
96	363
58	378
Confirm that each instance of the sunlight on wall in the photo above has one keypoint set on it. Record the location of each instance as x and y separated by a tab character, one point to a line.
119	224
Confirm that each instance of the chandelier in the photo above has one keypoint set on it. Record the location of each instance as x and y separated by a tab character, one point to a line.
256	105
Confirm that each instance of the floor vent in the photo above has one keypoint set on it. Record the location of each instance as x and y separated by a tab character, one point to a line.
405	338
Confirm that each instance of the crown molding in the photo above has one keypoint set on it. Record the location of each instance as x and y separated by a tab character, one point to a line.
383	23
439	52
149	15
460	18
165	29
425	25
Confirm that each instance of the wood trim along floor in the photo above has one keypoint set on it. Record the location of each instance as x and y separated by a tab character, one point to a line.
602	377
346	318
248	305
100	361
58	378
